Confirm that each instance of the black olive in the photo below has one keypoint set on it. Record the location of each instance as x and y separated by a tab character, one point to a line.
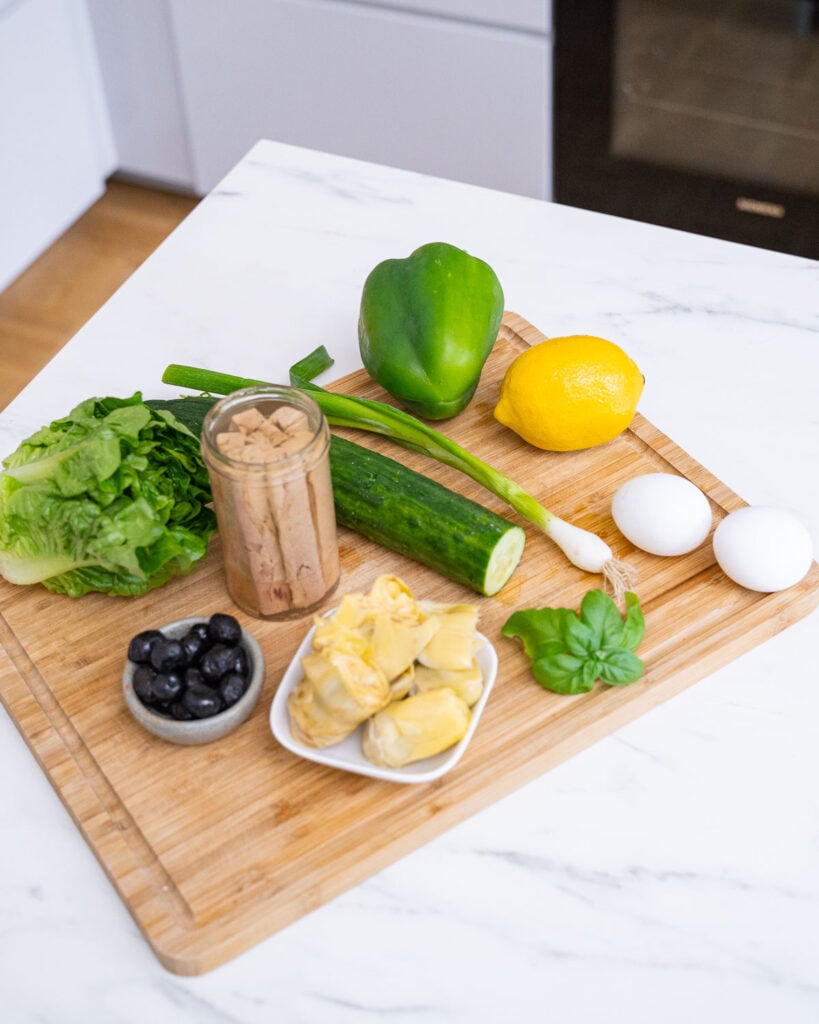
193	677
224	629
167	686
231	688
161	707
142	680
180	712
167	655
194	645
202	701
240	663
140	647
201	629
216	662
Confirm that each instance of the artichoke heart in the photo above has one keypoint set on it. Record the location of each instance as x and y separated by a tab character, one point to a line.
350	614
419	726
405	667
466	682
401	685
330	634
454	643
389	593
396	643
338	692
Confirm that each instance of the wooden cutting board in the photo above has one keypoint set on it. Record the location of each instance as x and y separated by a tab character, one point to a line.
214	848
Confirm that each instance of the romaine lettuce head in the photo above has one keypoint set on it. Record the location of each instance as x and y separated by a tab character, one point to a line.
111	498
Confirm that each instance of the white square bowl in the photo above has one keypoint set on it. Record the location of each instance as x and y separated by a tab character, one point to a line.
347	755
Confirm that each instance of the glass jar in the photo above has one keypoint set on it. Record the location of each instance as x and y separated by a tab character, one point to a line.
267	454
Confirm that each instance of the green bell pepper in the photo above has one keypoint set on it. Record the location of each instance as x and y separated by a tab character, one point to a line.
427	325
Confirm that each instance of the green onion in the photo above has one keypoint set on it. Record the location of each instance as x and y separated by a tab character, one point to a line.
584	549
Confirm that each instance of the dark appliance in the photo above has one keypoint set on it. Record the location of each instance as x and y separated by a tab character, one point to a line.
694	114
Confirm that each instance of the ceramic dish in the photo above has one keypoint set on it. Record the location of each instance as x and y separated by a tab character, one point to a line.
347	755
201	730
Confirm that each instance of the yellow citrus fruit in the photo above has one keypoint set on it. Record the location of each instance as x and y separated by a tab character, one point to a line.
570	393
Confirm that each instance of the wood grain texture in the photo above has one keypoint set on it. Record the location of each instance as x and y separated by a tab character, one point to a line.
214	848
48	303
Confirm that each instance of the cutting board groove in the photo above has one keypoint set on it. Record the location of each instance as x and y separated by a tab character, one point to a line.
214	848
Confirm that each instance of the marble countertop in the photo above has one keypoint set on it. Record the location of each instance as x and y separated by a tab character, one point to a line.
669	872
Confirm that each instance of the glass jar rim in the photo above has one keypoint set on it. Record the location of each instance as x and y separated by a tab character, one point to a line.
282	393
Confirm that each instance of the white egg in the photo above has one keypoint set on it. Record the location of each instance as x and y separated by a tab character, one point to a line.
662	513
763	548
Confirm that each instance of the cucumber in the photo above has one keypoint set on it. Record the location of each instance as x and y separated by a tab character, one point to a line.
190	411
409	513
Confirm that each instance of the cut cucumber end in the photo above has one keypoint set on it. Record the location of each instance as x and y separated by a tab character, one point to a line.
416	516
504	560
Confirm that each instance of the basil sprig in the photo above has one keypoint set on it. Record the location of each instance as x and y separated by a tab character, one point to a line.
570	652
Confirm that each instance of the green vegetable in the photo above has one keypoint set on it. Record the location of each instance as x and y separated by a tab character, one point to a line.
111	498
570	652
584	549
190	411
426	326
418	517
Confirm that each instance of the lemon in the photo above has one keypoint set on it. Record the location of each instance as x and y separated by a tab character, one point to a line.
570	393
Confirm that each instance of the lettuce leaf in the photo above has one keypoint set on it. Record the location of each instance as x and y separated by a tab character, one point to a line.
112	498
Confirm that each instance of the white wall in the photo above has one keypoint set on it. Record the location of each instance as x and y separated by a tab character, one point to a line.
56	148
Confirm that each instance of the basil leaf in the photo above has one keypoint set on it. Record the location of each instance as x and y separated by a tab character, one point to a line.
634	627
579	638
591	671
561	672
537	627
600	614
620	667
570	652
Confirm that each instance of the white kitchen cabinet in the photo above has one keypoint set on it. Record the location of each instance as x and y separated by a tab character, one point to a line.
533	15
55	144
456	88
137	55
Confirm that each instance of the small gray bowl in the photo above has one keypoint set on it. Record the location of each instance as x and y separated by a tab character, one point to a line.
200	730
